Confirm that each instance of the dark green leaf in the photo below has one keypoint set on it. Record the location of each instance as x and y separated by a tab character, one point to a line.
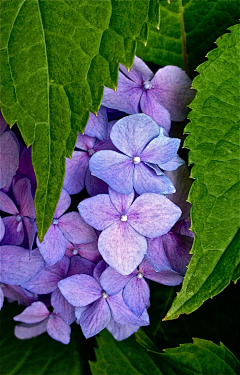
188	31
56	58
213	141
41	355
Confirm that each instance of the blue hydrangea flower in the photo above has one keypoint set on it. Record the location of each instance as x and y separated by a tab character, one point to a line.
143	148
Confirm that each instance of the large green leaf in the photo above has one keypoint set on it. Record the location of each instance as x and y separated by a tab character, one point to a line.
128	357
41	355
56	57
188	31
213	141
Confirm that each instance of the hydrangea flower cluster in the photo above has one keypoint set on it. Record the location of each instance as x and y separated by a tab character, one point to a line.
94	265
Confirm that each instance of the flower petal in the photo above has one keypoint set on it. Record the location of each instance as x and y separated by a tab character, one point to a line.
76	169
2	229
7	205
121	331
31	229
145	180
113	168
160	150
27	331
62	307
53	246
131	134
33	314
113	282
9	158
14	234
136	295
94	185
95	318
80	290
173	164
79	265
85	142
58	329
121	202
122	247
98	211
155	110
98	270
63	204
18	265
75	229
97	125
153	215
171	88
23	194
139	72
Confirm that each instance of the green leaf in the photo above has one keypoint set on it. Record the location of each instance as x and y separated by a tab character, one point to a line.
41	355
213	141
188	31
56	57
121	357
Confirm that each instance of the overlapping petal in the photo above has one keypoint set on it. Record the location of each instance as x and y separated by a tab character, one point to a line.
33	314
160	150
136	295
97	124
113	282
53	246
155	110
76	169
9	158
75	229
58	329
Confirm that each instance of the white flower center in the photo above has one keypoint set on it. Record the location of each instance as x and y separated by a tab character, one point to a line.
91	151
75	251
140	275
123	218
147	85
104	295
55	221
136	160
19	218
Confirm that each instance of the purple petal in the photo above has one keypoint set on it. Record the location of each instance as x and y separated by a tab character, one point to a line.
121	202
131	134
160	150
25	166
113	168
47	279
62	307
33	314
121	331
153	215
156	254
97	125
173	164
76	169
98	270
126	98
113	282
145	180
129	247
27	331
98	211
84	142
31	229
94	185
182	182
63	204
7	205
169	277
155	110
78	313
136	295
95	318
53	246
75	229
17	293
122	314
23	195
87	250
14	232
18	265
171	88
58	329
79	265
80	290
183	227
9	158
1	298
2	229
139	72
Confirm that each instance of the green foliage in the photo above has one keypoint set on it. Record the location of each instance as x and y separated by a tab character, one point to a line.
187	32
56	58
128	357
41	355
213	141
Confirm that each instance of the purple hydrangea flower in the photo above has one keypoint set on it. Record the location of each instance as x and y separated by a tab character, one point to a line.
25	218
69	227
16	293
136	292
97	125
95	307
161	96
125	224
143	146
9	154
86	250
37	319
2	229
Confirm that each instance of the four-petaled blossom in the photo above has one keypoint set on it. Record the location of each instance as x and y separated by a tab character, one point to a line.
125	224
164	96
143	147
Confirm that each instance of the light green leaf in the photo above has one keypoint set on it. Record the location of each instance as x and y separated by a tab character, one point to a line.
56	57
188	31
214	145
40	355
